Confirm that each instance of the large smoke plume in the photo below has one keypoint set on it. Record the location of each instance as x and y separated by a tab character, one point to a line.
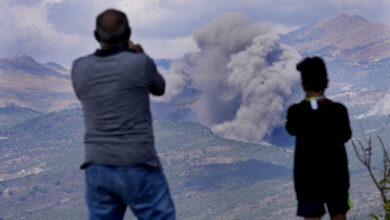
243	74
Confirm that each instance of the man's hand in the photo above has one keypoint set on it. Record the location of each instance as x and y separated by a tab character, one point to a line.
136	47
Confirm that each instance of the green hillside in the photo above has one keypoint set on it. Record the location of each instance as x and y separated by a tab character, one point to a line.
210	177
39	169
12	115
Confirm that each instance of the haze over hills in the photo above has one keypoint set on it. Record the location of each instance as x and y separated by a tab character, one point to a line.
342	36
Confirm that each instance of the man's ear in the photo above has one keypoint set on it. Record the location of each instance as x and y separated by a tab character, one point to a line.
96	34
127	33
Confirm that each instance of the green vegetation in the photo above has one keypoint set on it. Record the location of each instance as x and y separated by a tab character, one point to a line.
210	177
11	116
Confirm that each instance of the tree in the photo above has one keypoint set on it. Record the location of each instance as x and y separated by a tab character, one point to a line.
363	152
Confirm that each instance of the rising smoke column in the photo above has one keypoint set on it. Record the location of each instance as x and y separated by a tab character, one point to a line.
178	77
263	75
243	75
218	40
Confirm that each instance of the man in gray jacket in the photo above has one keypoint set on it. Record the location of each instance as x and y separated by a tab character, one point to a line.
122	166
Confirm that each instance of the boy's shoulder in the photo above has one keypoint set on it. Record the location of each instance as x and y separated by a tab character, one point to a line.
336	105
305	105
297	106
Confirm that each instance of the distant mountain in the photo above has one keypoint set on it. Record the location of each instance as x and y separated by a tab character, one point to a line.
45	87
27	64
27	83
58	68
341	36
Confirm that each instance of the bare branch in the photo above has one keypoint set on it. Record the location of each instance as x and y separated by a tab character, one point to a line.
365	158
362	131
367	153
355	148
386	155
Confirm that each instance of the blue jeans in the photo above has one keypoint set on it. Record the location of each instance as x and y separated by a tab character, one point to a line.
110	189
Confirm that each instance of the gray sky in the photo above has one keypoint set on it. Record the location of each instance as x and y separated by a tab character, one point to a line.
61	30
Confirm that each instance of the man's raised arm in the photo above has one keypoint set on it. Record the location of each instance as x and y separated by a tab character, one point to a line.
156	81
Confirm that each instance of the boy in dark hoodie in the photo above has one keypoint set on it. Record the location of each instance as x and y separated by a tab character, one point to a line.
321	127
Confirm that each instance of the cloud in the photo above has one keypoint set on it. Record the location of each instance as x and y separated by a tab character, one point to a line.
376	10
243	75
169	48
67	25
358	3
34	35
61	30
279	28
73	17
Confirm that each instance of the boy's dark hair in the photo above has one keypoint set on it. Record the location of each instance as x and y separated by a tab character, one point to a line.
313	73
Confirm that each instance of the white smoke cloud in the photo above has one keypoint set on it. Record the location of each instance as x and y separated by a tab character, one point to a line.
178	77
382	107
263	75
226	35
243	75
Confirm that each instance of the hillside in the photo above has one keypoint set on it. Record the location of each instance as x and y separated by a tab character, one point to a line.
44	88
58	68
341	36
210	177
12	115
41	158
27	83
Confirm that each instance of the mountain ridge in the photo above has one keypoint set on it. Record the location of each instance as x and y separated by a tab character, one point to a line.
27	83
28	64
342	36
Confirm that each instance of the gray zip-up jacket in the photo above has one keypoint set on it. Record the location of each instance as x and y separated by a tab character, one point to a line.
113	87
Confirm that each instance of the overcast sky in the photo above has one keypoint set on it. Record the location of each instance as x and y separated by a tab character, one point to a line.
61	30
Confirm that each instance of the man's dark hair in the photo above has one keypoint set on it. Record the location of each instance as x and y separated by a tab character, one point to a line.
112	27
313	73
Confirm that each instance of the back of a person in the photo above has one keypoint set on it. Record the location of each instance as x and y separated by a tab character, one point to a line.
121	165
321	128
114	94
320	131
320	150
